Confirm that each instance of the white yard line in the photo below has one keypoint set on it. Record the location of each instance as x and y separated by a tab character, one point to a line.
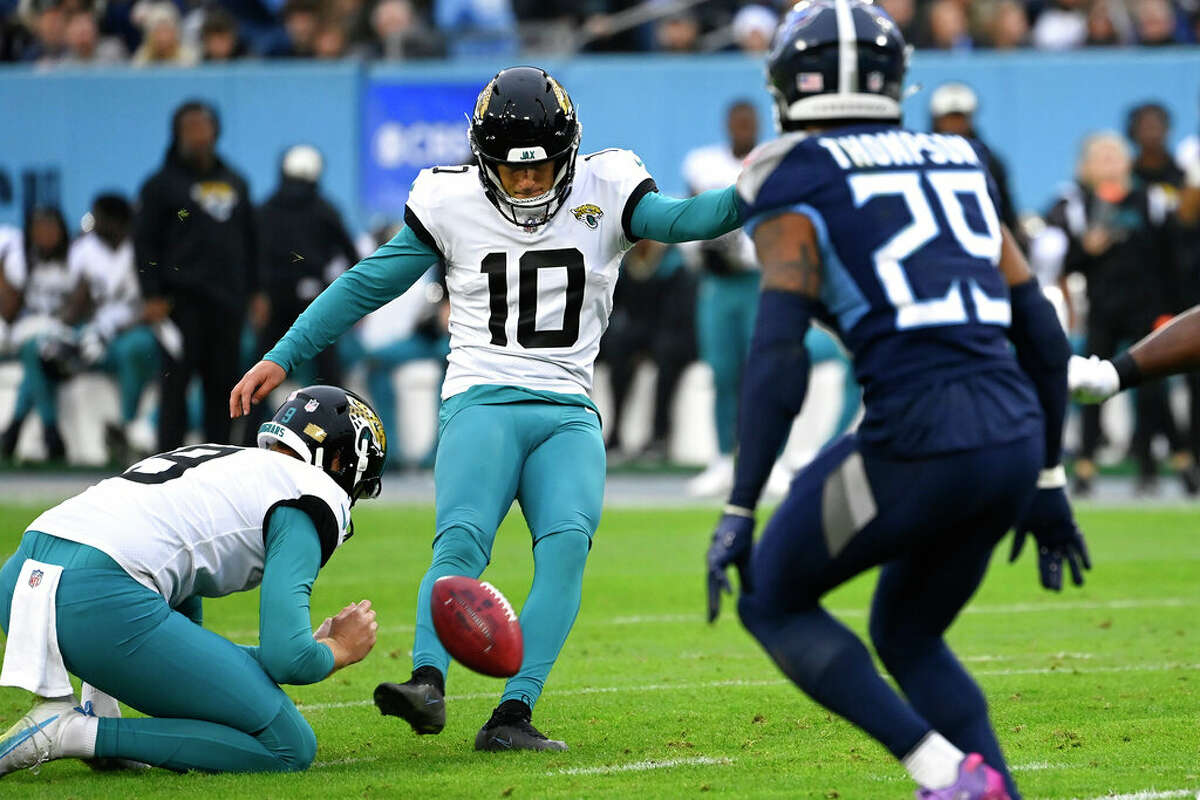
642	766
1148	794
681	687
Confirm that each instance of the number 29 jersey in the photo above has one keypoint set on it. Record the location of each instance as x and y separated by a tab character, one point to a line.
910	241
528	306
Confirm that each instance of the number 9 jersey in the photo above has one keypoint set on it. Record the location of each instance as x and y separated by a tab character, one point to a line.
528	306
910	241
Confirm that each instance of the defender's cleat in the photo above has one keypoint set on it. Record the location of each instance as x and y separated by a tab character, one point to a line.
37	737
422	705
976	781
510	729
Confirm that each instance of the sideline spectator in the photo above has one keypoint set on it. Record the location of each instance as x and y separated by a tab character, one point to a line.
398	33
107	295
1147	127
477	27
1062	26
301	21
904	14
162	45
85	46
1101	32
12	268
300	236
1155	22
948	26
678	33
330	41
653	317
42	290
952	108
753	27
196	254
50	34
219	38
1009	26
1115	235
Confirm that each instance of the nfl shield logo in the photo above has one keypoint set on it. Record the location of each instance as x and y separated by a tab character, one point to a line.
311	406
35	578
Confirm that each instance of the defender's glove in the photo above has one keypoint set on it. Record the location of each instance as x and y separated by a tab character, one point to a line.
1051	522
1092	380
731	543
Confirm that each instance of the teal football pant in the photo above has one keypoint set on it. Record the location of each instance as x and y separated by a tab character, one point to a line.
725	312
217	710
133	358
548	457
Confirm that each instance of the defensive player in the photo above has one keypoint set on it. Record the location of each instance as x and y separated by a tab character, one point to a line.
1170	350
893	237
532	238
108	585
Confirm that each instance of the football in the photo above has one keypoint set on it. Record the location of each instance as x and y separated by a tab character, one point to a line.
477	625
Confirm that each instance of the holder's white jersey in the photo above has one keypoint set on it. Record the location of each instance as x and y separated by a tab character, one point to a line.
191	521
528	306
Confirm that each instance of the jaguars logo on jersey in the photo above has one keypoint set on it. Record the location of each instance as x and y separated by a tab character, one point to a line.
588	214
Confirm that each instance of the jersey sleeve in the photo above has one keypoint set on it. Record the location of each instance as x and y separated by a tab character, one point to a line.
315	493
423	213
779	176
287	650
626	180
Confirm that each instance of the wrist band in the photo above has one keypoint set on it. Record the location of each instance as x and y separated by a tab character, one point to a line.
1052	478
1128	371
739	511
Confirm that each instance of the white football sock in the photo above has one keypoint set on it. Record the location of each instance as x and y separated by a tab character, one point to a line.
103	705
78	736
933	763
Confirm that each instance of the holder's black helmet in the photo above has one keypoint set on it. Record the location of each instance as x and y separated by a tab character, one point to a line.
336	430
835	60
522	117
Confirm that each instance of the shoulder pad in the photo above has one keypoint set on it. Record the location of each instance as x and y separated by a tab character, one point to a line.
761	163
613	163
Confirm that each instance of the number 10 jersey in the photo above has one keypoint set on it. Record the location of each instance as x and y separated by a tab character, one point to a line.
528	306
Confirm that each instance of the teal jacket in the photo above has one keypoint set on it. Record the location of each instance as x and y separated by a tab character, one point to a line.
394	267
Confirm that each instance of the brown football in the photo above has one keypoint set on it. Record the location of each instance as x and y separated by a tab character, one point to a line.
477	625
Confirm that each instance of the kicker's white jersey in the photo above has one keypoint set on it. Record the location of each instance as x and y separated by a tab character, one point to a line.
190	522
528	307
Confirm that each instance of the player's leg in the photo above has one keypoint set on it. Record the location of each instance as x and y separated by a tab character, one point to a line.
122	638
175	382
133	358
828	529
845	513
918	597
220	365
42	391
561	494
1101	341
480	452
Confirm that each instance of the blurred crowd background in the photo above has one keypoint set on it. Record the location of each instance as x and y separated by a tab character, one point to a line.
189	32
121	332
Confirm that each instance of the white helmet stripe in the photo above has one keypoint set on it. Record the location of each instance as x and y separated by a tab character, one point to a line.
847	48
270	432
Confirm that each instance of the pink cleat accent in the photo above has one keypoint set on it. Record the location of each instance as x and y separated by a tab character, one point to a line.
976	781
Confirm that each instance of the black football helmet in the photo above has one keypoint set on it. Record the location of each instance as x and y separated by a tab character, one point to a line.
836	61
522	117
333	429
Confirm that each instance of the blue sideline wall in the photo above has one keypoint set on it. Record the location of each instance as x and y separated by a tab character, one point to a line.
92	130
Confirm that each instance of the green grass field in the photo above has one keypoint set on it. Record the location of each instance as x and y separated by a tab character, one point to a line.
1094	692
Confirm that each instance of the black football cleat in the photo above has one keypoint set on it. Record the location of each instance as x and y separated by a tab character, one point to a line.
510	729
419	701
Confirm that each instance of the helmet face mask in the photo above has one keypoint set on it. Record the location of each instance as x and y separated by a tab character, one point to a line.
335	430
523	118
833	61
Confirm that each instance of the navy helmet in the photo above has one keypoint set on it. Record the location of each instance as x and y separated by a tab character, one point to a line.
836	61
524	117
333	429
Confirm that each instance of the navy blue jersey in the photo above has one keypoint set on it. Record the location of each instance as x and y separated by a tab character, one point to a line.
910	242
